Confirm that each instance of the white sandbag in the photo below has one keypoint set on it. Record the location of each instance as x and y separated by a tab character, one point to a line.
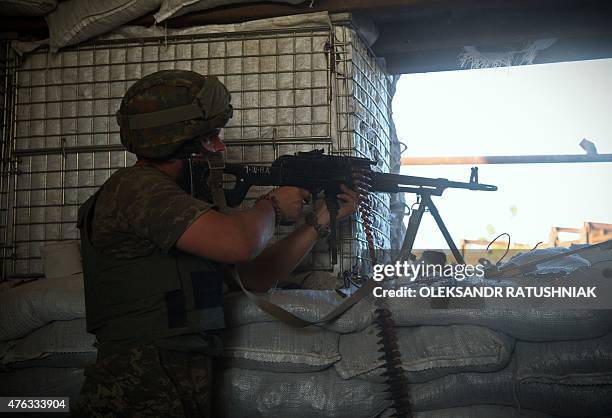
428	352
258	394
529	325
278	347
174	8
566	378
43	381
524	324
58	337
56	360
566	400
475	411
586	362
61	259
75	21
26	7
30	306
307	304
499	388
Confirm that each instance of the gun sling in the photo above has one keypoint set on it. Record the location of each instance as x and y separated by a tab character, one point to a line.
290	319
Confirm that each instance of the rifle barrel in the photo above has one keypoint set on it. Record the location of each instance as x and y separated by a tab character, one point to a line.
385	182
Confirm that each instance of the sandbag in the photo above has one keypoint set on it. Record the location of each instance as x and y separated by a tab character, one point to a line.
278	347
51	342
524	324
61	259
428	352
466	389
62	360
571	378
174	8
26	7
75	21
30	306
307	304
259	394
528	325
475	411
587	362
43	381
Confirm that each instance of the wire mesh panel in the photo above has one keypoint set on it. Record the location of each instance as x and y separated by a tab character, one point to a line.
363	117
8	64
286	97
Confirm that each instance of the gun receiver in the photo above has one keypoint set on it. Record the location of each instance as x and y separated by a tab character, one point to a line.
318	172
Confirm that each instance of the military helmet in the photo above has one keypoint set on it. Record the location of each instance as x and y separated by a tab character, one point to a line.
164	110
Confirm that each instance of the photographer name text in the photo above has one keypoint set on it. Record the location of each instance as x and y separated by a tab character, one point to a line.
487	292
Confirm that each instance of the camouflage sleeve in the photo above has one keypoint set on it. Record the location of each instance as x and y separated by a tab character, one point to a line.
156	208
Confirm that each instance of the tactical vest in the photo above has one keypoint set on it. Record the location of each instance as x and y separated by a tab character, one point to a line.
148	298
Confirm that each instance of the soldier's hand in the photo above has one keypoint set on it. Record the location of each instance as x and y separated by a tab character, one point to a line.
290	201
348	200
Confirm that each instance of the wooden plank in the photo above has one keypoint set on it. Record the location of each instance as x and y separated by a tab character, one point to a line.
507	159
253	11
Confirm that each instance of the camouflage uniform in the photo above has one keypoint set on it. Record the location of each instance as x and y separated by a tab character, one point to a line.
134	222
147	381
139	209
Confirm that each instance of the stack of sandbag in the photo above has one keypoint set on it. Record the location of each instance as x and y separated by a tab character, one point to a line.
459	362
44	345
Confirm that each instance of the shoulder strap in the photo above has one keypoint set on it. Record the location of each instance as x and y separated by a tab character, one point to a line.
290	319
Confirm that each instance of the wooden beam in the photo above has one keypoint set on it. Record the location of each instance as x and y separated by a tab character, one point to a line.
583	31
564	50
508	159
252	11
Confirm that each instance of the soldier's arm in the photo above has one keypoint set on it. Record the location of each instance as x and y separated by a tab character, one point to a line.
240	236
230	238
279	260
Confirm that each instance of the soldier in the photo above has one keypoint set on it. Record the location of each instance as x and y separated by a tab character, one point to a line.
155	257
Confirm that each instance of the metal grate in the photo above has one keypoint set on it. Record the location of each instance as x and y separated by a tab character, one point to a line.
8	64
363	115
286	94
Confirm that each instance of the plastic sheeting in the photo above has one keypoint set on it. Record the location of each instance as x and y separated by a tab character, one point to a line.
564	265
427	352
277	347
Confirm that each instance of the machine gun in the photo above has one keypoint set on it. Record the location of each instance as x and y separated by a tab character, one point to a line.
318	172
321	173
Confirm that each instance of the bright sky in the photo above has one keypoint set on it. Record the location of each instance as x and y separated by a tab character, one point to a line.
535	109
